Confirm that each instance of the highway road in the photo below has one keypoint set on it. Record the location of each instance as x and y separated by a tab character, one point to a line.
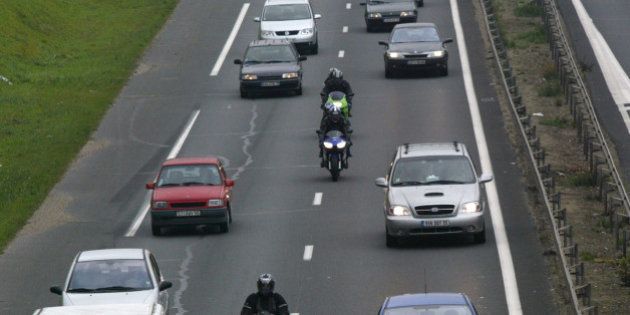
270	146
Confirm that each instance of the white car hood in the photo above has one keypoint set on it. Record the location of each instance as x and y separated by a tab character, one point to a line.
414	196
292	25
141	297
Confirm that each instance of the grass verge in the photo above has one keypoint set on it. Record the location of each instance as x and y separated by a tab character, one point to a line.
63	62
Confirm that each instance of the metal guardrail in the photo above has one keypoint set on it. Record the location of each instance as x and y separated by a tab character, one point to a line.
573	270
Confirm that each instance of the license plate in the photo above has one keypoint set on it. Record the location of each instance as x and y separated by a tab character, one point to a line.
435	223
270	83
391	20
188	213
416	62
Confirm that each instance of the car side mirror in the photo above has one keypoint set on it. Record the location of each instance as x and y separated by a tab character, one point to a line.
229	182
302	58
150	185
257	19
448	40
382	43
381	182
56	290
317	16
238	61
164	285
485	178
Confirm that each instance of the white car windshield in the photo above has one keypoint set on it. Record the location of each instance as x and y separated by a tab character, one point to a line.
430	310
189	175
117	275
415	34
270	54
433	170
285	12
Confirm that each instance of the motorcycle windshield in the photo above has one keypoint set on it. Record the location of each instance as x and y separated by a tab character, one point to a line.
336	95
334	135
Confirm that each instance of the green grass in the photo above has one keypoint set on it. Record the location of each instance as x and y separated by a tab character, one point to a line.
581	179
550	88
587	256
558	122
536	35
528	9
66	60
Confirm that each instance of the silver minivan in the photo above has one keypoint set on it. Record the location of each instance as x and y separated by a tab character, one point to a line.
290	19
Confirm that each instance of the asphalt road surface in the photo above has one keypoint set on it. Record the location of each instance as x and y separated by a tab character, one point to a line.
271	149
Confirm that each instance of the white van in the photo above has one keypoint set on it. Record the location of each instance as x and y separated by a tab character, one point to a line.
109	309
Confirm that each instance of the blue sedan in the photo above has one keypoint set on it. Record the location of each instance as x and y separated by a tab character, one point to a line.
428	304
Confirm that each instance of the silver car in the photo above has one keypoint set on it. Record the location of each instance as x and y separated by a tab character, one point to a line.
114	276
432	188
290	19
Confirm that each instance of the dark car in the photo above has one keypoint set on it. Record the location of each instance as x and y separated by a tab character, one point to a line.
191	191
414	46
383	13
270	65
428	303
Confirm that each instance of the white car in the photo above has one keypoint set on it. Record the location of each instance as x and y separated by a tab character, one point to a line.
290	19
114	276
108	309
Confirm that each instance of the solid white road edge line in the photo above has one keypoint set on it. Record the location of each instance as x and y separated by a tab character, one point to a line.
317	200
344	29
503	247
137	221
616	79
308	252
348	5
230	40
341	54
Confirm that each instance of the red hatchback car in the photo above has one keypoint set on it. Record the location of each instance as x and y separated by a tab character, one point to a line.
191	191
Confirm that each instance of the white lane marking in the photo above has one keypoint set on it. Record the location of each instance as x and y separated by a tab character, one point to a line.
137	221
616	79
344	29
503	247
183	280
230	40
348	5
317	200
246	143
308	252
341	54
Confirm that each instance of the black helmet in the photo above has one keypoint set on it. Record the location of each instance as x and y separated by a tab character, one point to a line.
335	73
265	284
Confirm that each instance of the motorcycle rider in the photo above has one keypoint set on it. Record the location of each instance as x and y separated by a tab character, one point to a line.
334	120
265	301
336	82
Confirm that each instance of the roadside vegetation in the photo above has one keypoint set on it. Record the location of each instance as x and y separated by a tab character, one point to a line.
521	27
63	62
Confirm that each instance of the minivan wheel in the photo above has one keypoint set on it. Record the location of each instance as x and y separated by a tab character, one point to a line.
390	240
315	48
480	237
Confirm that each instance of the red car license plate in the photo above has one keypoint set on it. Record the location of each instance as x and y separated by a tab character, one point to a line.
188	213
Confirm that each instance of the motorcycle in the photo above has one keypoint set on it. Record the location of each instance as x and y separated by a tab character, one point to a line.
335	158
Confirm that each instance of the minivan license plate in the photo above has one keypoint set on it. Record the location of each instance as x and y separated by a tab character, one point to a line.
189	213
435	223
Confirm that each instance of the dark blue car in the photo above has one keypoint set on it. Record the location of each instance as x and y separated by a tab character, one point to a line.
428	304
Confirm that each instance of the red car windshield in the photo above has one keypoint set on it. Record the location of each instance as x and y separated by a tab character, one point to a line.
189	175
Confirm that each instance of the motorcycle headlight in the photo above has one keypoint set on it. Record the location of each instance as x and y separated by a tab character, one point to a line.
215	203
399	211
470	207
160	204
436	54
249	77
290	75
328	145
266	33
407	13
374	15
306	31
394	55
341	145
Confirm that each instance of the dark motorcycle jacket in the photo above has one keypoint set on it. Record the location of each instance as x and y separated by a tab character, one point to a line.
332	84
259	304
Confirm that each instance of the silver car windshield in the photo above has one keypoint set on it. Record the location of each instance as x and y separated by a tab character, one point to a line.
189	175
415	34
430	310
286	12
117	275
433	170
267	54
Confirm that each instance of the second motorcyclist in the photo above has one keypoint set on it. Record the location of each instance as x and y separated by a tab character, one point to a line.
336	82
